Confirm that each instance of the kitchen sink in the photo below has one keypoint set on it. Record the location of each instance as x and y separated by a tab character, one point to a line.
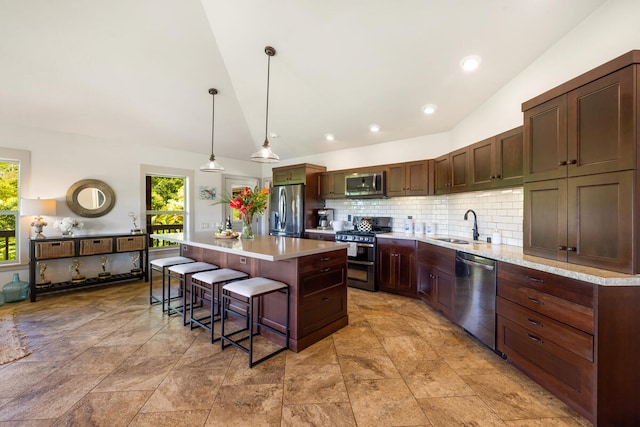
450	240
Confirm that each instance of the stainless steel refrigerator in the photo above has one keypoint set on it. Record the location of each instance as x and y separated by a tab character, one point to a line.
286	217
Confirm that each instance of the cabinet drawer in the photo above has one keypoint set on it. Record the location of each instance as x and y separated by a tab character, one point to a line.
322	279
133	243
322	308
572	339
96	246
568	376
46	250
572	314
320	261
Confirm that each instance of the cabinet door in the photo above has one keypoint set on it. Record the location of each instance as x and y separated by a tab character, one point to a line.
508	163
545	140
339	184
417	178
385	267
396	180
600	221
442	175
426	283
280	176
325	181
601	125
482	171
459	170
444	294
396	263
289	175
545	219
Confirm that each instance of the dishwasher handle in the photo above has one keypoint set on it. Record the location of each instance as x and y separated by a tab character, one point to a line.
475	264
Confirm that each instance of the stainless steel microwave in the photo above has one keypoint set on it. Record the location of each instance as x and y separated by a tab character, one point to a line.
365	185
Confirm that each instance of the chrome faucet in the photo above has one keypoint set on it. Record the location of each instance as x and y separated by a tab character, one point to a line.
476	235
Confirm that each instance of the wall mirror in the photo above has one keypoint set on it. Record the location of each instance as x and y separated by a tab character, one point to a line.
90	198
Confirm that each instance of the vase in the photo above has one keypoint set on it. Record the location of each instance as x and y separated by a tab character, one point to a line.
16	290
247	231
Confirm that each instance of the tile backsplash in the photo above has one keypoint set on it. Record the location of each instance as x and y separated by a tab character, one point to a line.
500	210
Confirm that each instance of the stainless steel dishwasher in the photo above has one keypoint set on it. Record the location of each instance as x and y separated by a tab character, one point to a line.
475	297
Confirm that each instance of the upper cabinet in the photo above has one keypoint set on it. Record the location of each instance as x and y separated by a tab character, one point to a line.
587	130
332	184
452	172
496	162
409	179
304	173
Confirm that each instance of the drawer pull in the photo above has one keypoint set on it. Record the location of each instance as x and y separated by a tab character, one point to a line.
325	299
324	270
536	301
325	259
562	248
572	249
533	322
536	339
55	244
534	279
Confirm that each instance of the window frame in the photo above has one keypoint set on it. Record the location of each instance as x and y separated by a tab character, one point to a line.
23	159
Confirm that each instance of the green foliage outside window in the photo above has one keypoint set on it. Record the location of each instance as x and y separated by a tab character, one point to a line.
166	199
8	209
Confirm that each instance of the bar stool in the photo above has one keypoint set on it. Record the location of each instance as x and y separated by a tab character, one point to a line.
247	293
205	286
183	273
161	265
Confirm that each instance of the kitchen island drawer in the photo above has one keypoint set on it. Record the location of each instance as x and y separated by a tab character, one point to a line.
567	375
572	339
323	260
322	308
575	315
321	279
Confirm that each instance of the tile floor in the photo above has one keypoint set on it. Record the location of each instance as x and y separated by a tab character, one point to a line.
105	357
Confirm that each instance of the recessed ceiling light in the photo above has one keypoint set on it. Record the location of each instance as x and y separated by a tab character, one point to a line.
329	136
429	108
470	63
374	127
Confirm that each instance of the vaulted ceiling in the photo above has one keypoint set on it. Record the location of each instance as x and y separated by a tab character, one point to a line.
138	71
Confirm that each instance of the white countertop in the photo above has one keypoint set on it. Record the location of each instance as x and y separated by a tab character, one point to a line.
514	255
320	230
269	248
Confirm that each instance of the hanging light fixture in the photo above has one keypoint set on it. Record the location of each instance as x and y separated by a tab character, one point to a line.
264	154
212	165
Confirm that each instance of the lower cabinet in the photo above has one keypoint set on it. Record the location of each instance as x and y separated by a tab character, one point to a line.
435	277
396	266
321	236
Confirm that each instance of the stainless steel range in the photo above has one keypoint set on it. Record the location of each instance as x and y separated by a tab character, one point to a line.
361	254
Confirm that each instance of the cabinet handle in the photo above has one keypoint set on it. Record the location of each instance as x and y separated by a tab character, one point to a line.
572	249
533	322
536	339
498	176
325	258
492	177
534	279
573	162
536	301
324	270
325	299
562	248
562	163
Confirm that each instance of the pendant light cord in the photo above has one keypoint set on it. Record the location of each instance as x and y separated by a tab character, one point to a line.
213	92
266	122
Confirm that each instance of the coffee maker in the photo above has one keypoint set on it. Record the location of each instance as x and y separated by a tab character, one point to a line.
325	216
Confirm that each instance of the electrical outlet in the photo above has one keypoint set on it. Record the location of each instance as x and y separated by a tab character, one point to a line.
205	225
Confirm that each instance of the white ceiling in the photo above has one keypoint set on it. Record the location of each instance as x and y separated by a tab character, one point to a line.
138	71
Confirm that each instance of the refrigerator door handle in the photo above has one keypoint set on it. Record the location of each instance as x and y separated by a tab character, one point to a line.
283	208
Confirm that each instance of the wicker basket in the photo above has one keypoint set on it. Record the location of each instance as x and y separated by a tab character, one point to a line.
128	244
96	246
45	250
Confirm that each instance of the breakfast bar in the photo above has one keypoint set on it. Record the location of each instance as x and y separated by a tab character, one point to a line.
314	270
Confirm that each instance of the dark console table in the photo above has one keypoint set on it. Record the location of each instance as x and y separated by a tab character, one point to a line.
86	246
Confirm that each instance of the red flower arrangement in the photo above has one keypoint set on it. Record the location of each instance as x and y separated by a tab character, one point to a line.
248	202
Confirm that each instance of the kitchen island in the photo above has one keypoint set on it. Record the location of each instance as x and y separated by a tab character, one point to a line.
314	270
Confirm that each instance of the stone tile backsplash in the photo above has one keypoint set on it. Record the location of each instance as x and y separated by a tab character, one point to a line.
500	210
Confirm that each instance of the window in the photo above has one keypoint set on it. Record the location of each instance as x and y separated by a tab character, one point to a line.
9	201
165	206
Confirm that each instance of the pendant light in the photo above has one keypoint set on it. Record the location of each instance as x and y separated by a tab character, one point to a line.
212	165
264	154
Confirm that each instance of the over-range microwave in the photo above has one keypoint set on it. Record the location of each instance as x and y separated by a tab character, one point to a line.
365	185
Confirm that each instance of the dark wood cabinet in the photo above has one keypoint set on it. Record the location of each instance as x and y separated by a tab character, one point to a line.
332	184
435	274
327	237
452	172
305	173
396	266
408	179
497	161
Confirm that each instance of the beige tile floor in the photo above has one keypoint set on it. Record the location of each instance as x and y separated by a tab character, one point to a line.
105	357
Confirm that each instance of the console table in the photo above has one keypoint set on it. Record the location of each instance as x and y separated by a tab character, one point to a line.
85	246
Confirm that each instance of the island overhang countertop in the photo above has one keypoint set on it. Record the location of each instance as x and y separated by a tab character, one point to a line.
269	248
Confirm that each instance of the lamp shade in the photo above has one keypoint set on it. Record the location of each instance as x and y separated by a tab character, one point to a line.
41	207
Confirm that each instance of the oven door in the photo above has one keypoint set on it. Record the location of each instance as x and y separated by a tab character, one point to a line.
361	267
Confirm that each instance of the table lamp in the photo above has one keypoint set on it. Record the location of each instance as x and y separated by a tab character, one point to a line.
38	207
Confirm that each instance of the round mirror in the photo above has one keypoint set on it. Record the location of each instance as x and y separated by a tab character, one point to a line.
90	198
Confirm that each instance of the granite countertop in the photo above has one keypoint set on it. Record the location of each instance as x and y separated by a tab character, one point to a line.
514	255
269	248
320	230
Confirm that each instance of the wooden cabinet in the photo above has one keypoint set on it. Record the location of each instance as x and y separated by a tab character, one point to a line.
327	237
395	266
497	161
408	179
546	327
435	275
297	174
587	130
332	184
452	172
41	250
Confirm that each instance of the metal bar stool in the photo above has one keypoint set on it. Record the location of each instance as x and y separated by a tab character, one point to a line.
161	265
248	294
183	273
206	287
